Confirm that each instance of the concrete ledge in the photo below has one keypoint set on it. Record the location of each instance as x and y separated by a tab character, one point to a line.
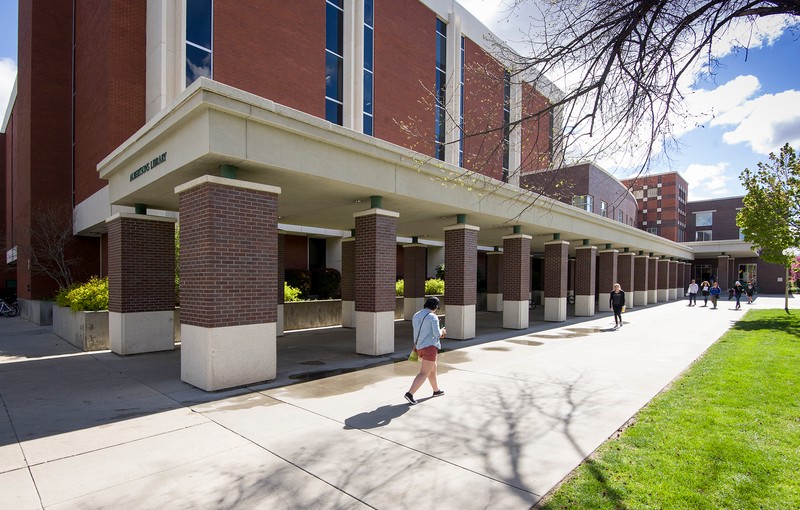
218	358
37	312
88	331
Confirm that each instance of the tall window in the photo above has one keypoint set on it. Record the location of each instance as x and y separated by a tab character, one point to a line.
702	235
334	60
369	58
441	86
603	209
461	106
584	202
703	219
198	39
506	122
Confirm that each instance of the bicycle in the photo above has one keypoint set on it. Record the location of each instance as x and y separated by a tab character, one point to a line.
9	309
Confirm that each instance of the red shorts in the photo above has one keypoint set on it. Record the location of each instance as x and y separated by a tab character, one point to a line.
428	353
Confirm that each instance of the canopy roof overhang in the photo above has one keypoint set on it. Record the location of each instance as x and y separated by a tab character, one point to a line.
327	173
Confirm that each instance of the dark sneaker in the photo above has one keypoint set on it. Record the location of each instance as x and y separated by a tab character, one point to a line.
438	393
410	399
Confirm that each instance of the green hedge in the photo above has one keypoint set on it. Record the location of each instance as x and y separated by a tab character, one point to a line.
85	297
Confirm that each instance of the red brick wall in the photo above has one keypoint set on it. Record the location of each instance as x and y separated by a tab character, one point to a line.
607	272
723	218
483	112
586	269
640	271
535	130
405	72
625	271
555	270
281	267
516	269
375	252
141	265
229	256
348	270
296	254
652	273
663	274
110	71
273	48
494	275
460	262
414	258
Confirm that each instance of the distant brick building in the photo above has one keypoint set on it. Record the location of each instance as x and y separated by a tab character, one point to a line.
661	200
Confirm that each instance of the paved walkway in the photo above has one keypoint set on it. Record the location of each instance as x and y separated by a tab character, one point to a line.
522	409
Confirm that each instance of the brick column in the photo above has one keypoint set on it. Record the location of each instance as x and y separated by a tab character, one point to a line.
723	276
556	254
229	266
516	280
375	272
625	277
684	284
663	280
607	269
460	271
348	282
673	280
281	280
414	258
585	275
494	281
141	283
640	280
652	280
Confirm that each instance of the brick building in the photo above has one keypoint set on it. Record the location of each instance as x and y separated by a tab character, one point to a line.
354	134
661	200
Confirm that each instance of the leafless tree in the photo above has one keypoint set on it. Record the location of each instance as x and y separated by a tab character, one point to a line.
48	242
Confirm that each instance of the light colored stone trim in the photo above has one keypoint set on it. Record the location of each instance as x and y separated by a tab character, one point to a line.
141	217
517	236
223	181
376	212
461	226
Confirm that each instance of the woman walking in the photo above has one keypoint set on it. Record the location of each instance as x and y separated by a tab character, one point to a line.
714	292
617	302
426	342
737	292
704	288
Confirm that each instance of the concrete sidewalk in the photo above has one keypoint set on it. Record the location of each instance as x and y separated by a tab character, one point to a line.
522	410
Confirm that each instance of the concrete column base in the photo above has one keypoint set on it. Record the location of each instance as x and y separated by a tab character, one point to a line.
494	302
279	325
640	297
412	305
460	322
515	314
603	304
218	358
630	299
348	314
584	306
374	333
652	297
555	309
663	295
138	332
673	294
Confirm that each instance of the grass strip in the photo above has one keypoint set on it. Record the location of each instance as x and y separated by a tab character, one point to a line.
725	435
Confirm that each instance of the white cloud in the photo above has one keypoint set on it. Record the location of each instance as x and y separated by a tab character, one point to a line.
764	123
707	181
8	73
704	106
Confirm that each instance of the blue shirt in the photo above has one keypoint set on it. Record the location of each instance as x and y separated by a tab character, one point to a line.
426	329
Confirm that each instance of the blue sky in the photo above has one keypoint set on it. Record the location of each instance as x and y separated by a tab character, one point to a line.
754	97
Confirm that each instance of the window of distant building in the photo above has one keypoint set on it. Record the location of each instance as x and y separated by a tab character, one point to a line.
198	39
369	58
441	87
638	194
703	219
461	106
584	202
652	193
334	60
702	235
603	209
506	122
652	230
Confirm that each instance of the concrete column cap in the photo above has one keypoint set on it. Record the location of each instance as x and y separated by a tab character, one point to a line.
461	226
140	217
223	181
414	245
556	242
586	247
609	251
376	212
517	236
493	253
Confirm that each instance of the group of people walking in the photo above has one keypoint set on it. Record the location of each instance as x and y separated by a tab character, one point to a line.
712	291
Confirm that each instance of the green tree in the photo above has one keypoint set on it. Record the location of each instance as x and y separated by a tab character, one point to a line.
770	218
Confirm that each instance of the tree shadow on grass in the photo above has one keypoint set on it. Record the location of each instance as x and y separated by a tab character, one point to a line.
785	323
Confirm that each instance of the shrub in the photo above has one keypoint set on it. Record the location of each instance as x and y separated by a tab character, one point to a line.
434	286
399	287
290	293
90	296
325	282
299	279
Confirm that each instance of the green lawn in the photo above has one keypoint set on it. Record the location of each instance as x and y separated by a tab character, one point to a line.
725	435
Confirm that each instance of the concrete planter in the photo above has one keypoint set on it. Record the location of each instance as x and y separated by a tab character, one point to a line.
88	331
37	312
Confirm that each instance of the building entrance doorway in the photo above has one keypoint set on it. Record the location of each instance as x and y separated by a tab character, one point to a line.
702	272
747	272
